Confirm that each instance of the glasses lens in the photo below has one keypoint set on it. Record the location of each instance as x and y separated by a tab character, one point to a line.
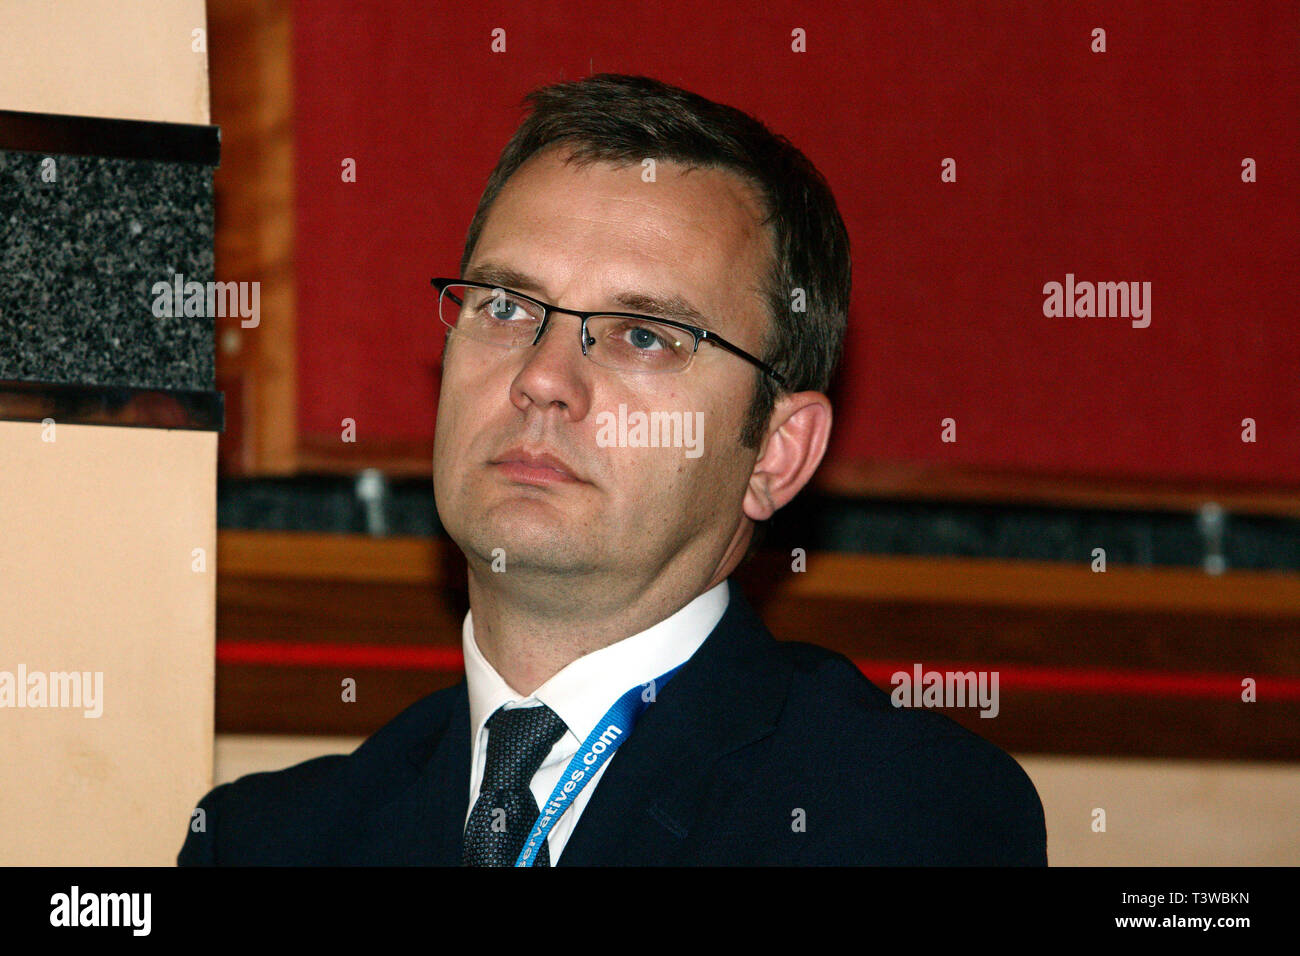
637	345
494	316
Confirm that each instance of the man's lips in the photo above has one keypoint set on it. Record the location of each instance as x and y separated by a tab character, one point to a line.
534	467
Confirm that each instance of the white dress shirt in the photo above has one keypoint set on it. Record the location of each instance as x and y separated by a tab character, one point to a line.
580	694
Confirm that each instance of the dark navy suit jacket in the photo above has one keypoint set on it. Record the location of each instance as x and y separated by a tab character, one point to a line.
757	752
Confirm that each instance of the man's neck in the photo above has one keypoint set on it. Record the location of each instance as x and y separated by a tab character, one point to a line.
528	645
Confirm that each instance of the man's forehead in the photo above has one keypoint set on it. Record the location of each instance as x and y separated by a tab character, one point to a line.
690	193
690	221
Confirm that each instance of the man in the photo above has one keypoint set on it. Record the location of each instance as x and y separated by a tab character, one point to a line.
623	703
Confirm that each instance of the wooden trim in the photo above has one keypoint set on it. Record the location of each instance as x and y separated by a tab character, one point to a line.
1038	584
109	137
830	576
290	555
919	481
120	406
252	101
398	459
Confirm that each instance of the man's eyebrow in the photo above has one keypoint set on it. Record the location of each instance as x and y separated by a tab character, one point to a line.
493	274
663	306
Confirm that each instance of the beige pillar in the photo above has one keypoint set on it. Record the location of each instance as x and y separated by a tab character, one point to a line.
107	534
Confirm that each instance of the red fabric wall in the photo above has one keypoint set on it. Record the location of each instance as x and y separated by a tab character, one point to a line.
1120	166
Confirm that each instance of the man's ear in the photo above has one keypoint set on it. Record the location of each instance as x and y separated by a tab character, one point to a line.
797	435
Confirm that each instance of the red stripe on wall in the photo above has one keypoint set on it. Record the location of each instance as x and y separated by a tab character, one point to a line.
1070	680
275	654
1137	683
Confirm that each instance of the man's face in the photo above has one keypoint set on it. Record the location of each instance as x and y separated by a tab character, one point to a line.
585	238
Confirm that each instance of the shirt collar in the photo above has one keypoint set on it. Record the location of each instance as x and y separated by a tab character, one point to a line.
582	692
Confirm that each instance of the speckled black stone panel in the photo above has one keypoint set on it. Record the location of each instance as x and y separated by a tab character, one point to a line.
78	258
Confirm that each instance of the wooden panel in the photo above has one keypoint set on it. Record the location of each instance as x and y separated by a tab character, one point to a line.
1034	584
252	102
309	700
1124	663
908	480
340	557
403	459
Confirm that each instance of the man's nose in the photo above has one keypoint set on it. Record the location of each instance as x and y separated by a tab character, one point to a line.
555	370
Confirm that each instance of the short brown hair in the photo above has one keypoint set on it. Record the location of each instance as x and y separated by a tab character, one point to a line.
626	119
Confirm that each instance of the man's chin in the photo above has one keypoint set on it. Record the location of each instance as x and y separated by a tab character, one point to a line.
512	537
524	560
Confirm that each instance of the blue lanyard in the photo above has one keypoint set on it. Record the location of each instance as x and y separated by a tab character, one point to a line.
610	731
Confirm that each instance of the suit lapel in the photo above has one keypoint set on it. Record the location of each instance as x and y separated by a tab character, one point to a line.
729	694
424	823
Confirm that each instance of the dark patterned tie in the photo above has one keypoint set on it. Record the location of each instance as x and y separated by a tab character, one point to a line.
518	741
